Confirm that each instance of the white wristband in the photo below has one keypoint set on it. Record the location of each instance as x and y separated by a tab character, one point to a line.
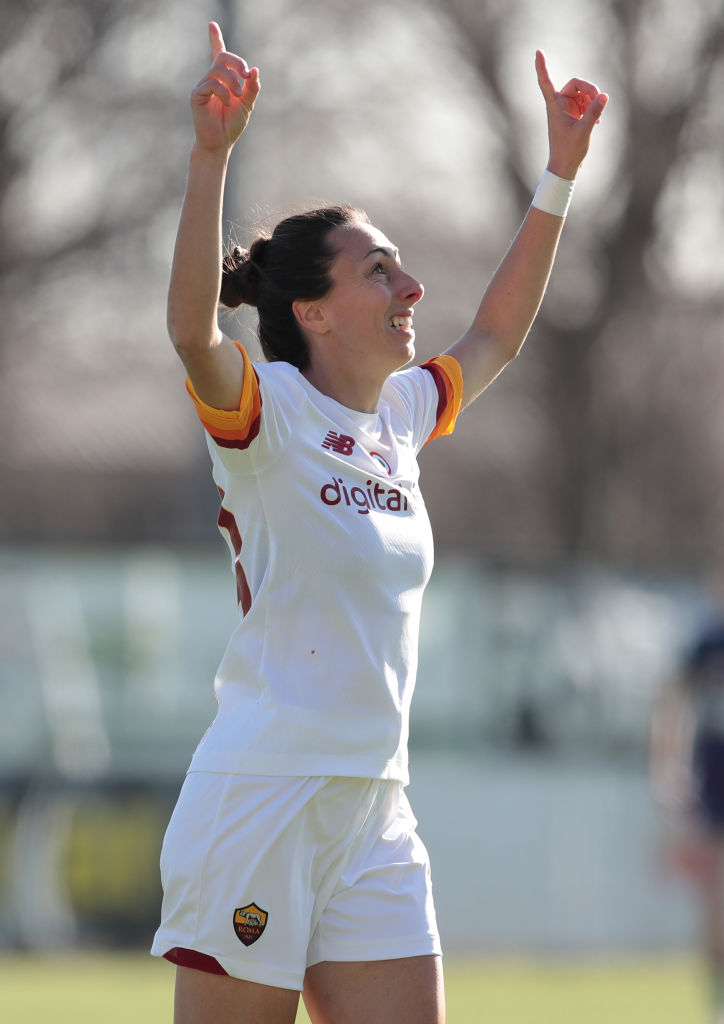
553	194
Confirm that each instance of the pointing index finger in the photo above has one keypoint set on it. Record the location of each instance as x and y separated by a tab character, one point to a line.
216	40
544	80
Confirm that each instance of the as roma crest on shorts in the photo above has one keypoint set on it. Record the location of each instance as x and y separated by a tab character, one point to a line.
249	923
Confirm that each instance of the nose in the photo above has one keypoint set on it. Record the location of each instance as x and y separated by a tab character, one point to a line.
411	290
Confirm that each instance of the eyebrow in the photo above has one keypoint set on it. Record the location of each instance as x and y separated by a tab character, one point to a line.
394	254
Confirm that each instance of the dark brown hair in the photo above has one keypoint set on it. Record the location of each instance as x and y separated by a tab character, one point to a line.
294	263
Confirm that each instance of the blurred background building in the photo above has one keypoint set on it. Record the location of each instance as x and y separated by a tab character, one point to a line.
577	511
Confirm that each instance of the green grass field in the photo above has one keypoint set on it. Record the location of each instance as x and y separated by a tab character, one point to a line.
88	989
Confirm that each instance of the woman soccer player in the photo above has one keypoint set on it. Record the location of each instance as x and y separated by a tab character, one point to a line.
291	861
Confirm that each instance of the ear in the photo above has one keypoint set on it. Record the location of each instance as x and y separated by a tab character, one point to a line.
310	316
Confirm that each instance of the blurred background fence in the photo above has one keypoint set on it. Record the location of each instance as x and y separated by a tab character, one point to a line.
529	739
577	510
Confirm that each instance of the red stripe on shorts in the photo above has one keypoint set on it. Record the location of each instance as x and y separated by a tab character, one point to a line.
191	958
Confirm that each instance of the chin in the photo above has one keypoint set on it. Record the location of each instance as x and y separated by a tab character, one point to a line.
406	357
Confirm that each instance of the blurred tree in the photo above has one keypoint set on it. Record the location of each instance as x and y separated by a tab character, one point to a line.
601	441
92	100
628	344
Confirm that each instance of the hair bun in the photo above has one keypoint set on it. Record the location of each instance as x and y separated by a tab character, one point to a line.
259	250
240	275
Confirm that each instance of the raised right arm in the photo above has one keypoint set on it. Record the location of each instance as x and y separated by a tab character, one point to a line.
221	105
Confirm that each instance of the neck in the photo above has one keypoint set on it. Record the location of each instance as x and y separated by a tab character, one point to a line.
353	390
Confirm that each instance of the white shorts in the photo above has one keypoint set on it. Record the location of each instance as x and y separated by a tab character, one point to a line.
270	875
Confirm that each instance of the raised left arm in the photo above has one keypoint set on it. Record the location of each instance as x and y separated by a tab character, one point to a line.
512	298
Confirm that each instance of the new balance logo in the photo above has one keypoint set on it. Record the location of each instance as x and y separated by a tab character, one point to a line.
339	443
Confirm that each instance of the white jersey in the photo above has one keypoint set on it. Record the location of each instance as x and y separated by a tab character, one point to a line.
332	548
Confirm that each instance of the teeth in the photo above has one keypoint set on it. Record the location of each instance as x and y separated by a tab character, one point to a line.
402	321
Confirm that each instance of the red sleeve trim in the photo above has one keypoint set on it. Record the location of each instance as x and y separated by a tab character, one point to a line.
236	428
448	379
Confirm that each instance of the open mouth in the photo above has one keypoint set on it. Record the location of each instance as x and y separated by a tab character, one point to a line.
402	323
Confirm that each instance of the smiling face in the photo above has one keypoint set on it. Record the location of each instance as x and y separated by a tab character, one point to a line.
368	311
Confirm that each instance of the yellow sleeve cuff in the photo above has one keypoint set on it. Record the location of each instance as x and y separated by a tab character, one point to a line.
235	428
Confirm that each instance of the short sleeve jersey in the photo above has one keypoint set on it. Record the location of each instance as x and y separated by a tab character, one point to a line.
331	547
